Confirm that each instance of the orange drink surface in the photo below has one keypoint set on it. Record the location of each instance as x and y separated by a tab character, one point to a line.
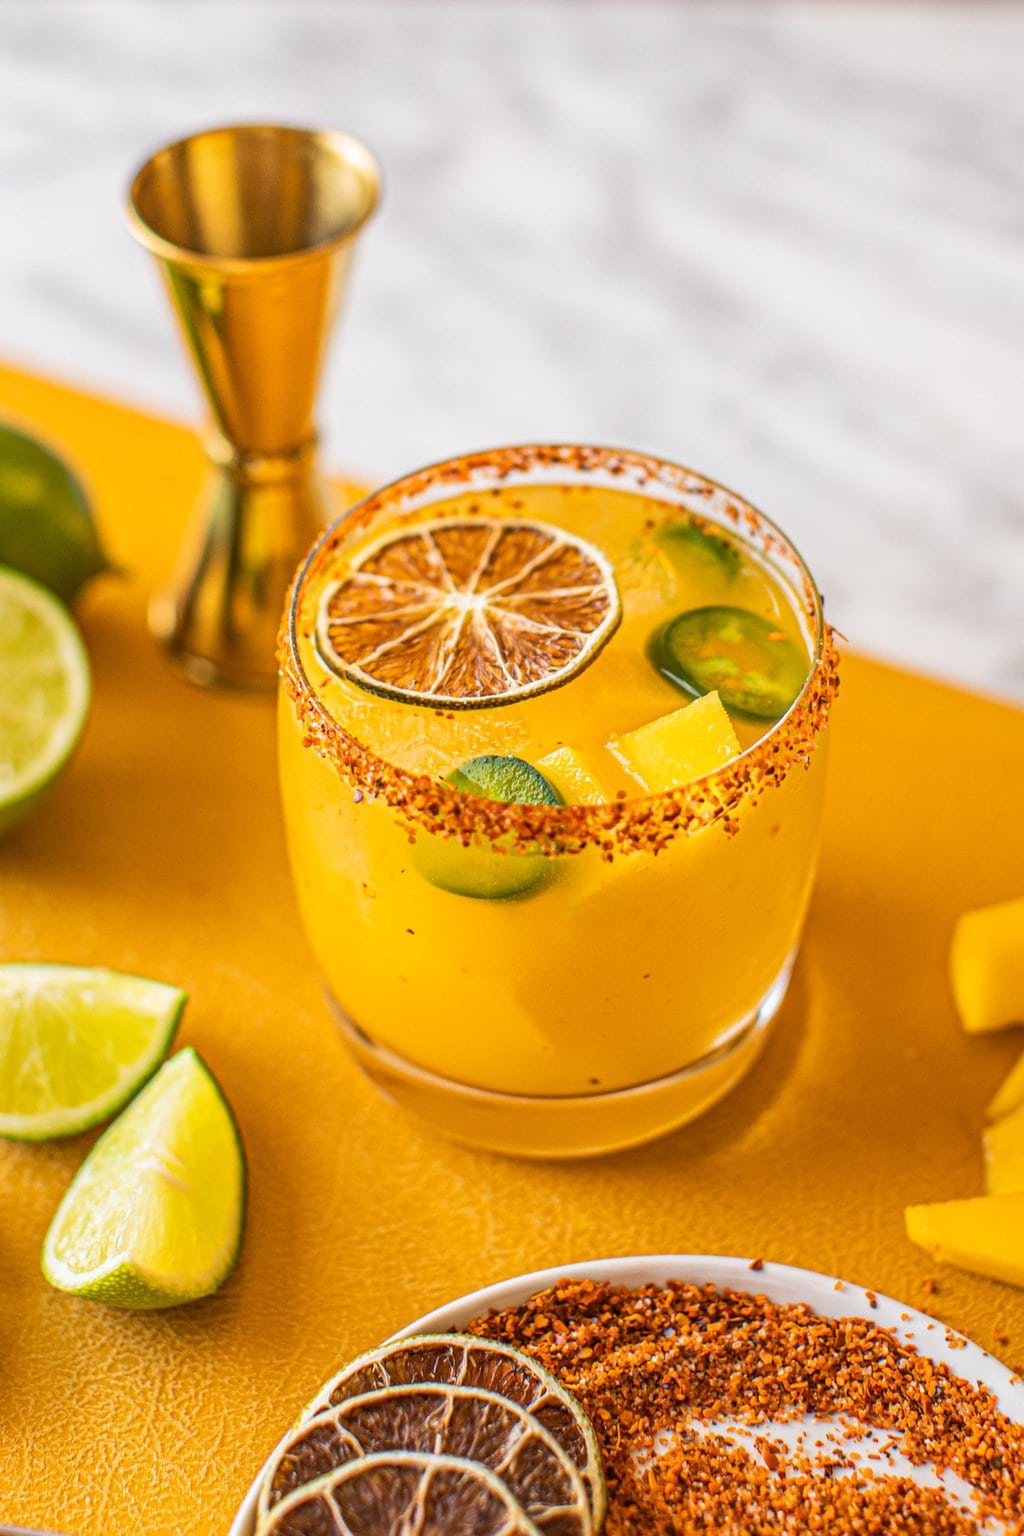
552	768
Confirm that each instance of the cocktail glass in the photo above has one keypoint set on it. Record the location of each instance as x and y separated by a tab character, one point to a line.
633	988
253	228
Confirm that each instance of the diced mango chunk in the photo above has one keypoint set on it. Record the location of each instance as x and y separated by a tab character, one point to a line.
984	1235
1004	1155
1009	1094
678	747
987	966
574	776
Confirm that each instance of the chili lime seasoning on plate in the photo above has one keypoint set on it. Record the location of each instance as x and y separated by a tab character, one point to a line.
725	1412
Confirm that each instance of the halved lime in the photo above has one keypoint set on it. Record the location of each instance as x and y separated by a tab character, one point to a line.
44	693
76	1043
469	1361
446	1420
410	1492
154	1216
479	869
46	527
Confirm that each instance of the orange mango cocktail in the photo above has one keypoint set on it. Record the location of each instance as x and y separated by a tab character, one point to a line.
552	760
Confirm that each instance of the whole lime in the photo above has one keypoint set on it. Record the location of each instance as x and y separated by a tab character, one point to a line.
46	526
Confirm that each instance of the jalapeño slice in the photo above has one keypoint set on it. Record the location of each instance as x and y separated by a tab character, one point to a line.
504	778
756	667
691	538
478	870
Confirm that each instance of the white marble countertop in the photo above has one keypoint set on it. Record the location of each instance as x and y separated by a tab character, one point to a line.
783	243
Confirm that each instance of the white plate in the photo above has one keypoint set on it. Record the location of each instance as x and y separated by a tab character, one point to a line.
779	1282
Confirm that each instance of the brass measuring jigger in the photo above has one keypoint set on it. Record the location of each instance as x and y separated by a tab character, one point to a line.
253	228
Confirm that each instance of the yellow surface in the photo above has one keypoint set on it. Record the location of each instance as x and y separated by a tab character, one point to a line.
987	966
984	1235
161	852
1004	1155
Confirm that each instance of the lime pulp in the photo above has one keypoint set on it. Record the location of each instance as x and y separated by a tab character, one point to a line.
45	689
76	1042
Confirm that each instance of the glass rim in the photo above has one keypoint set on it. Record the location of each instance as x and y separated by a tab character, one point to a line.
642	822
342	146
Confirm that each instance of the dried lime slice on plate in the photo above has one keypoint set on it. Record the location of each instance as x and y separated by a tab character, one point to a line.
154	1216
468	1361
445	1420
44	693
402	1491
76	1042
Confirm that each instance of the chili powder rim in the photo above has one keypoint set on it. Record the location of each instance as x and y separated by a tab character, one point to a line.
647	822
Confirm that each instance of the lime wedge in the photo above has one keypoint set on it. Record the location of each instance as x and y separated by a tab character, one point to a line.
46	527
44	693
75	1044
154	1216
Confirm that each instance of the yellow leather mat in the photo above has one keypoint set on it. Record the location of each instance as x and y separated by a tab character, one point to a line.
161	852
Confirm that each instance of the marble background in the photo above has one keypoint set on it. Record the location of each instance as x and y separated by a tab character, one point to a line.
783	243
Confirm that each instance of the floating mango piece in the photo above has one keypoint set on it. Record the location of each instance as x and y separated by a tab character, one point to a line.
1009	1094
984	1235
574	777
987	966
678	747
1004	1155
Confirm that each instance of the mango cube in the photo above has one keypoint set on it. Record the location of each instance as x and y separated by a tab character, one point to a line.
984	1235
1004	1155
573	775
987	966
1009	1094
679	747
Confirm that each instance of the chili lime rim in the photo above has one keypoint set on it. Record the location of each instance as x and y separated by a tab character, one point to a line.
647	822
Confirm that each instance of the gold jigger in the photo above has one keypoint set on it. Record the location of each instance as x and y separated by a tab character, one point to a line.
253	228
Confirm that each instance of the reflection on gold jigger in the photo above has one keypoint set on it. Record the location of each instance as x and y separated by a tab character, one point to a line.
253	228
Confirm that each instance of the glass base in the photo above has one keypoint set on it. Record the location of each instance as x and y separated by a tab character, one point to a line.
580	1125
